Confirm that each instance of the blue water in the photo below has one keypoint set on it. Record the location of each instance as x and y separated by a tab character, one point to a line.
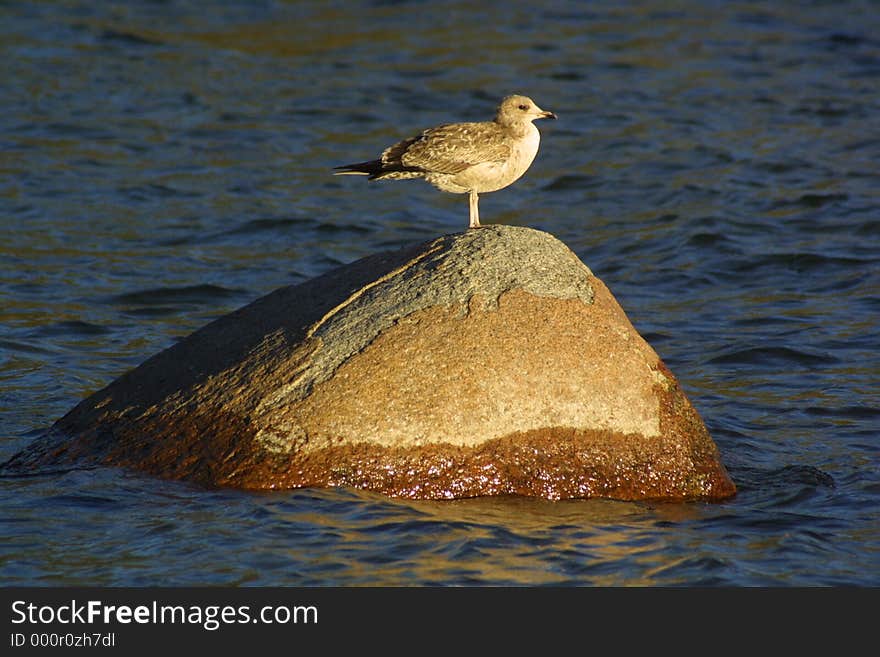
716	164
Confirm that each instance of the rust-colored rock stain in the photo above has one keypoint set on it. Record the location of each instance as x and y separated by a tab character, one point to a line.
554	463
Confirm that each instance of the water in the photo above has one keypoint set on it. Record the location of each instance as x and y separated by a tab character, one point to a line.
716	164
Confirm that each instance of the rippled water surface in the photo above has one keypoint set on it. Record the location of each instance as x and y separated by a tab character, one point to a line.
716	164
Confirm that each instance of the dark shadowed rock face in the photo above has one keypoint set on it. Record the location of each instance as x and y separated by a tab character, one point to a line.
483	363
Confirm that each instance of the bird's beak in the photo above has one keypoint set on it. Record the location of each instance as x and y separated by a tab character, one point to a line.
547	115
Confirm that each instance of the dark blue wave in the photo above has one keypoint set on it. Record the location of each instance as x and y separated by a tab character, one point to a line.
773	356
198	294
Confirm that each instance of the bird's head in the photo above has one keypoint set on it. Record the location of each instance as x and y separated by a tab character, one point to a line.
519	109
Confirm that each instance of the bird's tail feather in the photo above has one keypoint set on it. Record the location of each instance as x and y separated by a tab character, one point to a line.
378	170
358	169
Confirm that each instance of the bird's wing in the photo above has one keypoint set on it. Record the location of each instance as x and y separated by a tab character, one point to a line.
450	148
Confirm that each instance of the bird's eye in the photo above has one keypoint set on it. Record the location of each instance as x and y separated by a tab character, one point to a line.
524	107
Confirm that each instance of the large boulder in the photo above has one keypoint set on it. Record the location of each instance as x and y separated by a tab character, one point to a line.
483	363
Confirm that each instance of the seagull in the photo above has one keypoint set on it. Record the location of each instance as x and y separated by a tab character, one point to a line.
464	158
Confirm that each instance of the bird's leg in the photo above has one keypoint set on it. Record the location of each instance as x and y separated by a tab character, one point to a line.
475	211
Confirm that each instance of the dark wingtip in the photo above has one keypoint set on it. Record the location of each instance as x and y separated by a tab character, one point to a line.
358	168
